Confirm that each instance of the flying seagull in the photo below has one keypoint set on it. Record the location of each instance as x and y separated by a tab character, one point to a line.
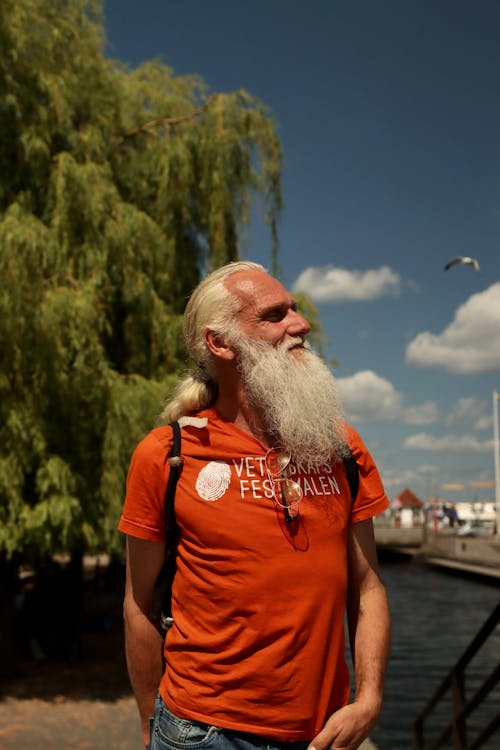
462	259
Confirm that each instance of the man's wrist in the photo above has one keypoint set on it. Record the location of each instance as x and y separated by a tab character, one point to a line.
370	702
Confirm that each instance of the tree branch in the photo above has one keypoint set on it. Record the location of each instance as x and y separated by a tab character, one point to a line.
165	122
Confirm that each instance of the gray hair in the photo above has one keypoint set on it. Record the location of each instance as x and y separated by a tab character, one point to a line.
212	306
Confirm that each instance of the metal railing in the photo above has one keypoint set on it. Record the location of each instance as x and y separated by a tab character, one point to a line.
454	683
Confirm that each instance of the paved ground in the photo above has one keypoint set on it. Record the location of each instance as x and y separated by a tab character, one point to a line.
86	704
69	725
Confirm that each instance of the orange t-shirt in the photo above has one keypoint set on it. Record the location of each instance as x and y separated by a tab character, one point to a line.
257	643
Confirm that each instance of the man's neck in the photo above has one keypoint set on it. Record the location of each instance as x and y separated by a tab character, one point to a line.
242	414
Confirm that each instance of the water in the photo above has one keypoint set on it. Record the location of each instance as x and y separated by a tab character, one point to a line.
435	615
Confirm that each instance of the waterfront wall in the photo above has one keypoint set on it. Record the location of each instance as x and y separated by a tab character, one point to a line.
403	537
470	550
479	556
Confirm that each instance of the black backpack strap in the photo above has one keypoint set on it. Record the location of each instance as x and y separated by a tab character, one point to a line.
352	474
161	607
175	461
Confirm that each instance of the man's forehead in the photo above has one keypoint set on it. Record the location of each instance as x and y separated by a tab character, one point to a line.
256	287
245	287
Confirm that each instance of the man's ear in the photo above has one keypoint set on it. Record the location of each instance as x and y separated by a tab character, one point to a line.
217	345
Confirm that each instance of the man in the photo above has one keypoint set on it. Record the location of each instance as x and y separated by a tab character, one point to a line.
272	548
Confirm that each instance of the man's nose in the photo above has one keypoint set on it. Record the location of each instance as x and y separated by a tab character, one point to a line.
298	325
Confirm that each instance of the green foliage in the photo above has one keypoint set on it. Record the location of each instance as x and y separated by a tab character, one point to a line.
308	309
116	187
316	337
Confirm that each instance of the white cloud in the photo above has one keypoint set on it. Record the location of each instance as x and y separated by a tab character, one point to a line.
426	413
484	423
451	443
471	414
422	477
470	344
368	397
333	284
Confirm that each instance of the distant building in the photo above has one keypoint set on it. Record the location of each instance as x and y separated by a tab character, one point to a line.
408	509
463	516
482	512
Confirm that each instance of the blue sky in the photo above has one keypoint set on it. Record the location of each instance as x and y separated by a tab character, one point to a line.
389	117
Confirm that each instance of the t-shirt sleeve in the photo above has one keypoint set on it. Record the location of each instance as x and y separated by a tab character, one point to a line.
143	513
371	499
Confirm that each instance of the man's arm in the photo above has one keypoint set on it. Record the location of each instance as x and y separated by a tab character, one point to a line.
368	619
143	643
369	632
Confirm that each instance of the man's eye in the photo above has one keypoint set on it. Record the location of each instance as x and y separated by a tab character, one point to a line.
275	317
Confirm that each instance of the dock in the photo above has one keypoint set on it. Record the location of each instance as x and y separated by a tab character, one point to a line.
475	556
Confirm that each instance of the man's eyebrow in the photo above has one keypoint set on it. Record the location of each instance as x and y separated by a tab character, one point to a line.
278	307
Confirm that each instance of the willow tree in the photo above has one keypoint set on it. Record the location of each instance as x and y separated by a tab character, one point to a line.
117	188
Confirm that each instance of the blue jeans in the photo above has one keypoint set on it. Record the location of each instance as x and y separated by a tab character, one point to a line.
168	732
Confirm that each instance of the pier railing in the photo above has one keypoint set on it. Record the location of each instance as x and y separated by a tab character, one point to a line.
461	707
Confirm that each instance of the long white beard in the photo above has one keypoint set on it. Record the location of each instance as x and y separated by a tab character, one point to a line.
296	397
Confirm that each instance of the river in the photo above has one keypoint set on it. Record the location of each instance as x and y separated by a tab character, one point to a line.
435	615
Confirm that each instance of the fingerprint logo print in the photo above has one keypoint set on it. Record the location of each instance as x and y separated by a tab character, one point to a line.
213	480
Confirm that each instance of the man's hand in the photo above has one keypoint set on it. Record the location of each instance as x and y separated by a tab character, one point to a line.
346	728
